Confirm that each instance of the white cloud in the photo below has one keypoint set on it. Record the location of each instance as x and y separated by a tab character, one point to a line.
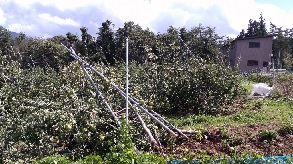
2	18
138	11
95	24
20	28
58	20
62	5
242	11
228	16
47	36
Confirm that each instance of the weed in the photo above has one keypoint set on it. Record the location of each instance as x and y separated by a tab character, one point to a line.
224	132
258	105
199	136
286	128
267	135
235	141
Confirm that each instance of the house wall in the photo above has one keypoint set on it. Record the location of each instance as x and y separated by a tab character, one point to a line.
241	53
234	62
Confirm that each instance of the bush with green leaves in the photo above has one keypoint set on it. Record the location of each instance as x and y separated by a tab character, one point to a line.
54	159
43	112
260	78
284	86
123	153
185	88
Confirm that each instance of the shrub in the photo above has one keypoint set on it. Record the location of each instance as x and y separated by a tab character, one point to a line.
54	159
284	86
192	88
44	113
259	78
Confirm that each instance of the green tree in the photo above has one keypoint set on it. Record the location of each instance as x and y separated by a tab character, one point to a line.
5	42
168	49
255	28
44	53
140	42
282	47
262	30
106	41
88	45
204	43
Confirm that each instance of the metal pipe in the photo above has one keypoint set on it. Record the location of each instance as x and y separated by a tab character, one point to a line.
101	96
126	114
179	131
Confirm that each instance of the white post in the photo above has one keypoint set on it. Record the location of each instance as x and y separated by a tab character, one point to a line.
273	62
126	114
279	59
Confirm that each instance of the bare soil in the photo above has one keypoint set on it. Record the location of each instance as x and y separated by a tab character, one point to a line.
228	140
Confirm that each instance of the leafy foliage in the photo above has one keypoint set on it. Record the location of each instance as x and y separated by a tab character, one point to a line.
44	113
187	89
123	153
5	42
259	78
282	47
48	106
54	159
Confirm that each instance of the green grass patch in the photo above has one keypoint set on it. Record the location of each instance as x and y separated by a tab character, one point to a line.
256	111
247	85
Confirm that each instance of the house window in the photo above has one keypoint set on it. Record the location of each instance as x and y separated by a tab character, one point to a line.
254	45
265	64
252	63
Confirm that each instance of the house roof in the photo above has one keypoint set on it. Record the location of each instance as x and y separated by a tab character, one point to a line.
253	37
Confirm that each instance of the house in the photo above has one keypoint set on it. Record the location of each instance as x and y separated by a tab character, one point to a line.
251	54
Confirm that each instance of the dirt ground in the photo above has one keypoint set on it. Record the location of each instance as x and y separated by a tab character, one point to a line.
228	140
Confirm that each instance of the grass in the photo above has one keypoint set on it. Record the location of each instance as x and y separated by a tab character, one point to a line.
257	111
247	85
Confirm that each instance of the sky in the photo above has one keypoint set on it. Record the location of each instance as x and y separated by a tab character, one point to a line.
48	18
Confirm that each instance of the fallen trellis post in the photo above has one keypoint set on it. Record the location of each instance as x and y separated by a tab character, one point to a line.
135	102
154	142
177	130
151	114
101	96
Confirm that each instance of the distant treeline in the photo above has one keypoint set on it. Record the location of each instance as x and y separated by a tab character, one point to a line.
108	46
